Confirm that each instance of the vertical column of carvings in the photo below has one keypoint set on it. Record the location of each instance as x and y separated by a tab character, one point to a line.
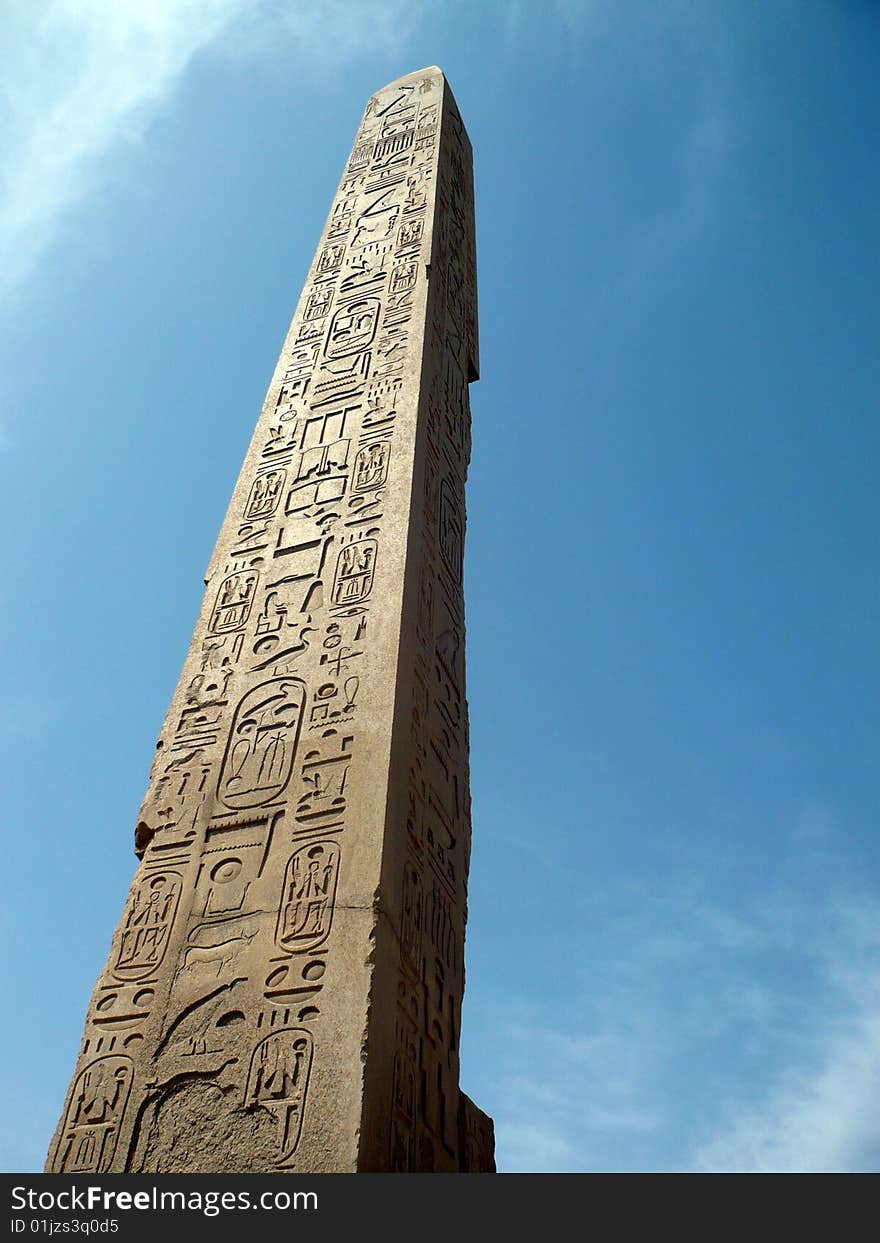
225	1031
433	901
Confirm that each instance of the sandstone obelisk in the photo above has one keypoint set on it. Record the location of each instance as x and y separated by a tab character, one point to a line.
283	991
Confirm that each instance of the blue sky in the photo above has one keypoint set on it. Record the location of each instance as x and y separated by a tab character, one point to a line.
672	556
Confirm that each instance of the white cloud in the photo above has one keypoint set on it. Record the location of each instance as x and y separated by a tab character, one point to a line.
566	1094
820	1117
81	76
532	1148
701	1025
330	32
805	1002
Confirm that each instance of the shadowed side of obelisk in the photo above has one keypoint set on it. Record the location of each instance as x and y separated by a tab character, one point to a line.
303	857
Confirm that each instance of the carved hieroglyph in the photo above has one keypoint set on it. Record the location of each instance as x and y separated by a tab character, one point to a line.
284	988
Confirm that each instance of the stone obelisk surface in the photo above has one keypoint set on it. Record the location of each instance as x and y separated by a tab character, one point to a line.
283	991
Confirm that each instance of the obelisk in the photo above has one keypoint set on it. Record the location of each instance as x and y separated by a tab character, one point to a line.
283	991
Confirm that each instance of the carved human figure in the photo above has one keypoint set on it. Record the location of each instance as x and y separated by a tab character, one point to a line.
278	1080
264	494
307	899
91	1126
354	572
370	467
306	909
99	1094
145	931
234	600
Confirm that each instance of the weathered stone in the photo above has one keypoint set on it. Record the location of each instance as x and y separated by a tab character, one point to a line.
284	989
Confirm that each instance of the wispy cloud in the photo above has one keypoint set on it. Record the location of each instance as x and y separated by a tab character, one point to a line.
822	1112
569	1094
702	1026
326	33
81	76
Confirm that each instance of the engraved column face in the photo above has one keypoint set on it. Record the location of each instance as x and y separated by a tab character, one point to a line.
284	987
